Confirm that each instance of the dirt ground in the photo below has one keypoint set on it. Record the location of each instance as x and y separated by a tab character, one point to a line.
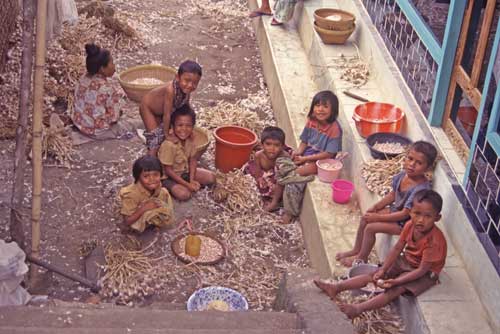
77	202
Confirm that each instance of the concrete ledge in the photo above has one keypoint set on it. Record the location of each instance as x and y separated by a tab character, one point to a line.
316	312
323	222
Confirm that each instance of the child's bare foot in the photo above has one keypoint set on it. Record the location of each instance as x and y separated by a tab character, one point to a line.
124	228
286	219
347	261
328	288
351	310
271	206
339	256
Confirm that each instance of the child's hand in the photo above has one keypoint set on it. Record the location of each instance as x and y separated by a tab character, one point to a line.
261	182
149	205
386	284
371	217
171	137
194	186
299	160
378	275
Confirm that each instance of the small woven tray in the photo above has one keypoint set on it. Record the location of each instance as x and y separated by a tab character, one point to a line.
179	251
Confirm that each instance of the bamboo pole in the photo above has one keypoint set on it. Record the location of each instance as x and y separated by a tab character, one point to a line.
41	15
16	223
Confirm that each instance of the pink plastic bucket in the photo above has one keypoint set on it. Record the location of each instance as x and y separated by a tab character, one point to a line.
328	169
342	191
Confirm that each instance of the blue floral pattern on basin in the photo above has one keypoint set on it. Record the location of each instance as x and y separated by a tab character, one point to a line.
199	300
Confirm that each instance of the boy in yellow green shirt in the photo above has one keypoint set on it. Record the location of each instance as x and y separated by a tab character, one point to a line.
180	158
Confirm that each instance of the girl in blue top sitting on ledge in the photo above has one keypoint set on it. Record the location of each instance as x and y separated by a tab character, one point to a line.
322	135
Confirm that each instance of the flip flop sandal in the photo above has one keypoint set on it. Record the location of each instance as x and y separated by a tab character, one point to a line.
276	23
257	13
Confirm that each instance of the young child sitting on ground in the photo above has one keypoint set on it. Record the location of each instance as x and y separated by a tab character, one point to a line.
322	135
159	103
180	158
145	202
380	219
275	174
414	271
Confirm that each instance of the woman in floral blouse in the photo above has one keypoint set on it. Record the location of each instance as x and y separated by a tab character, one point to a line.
98	99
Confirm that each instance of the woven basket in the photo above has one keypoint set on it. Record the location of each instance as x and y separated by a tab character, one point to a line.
345	22
333	36
135	92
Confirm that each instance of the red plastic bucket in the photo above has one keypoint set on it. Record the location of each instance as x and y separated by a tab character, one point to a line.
233	145
342	191
373	117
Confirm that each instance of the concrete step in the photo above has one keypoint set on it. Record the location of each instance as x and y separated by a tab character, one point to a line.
143	318
78	305
73	330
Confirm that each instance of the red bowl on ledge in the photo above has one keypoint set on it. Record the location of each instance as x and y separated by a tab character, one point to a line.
373	117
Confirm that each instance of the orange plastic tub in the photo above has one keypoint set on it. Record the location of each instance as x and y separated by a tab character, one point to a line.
373	117
233	145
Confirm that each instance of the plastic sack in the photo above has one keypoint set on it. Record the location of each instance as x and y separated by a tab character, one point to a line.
12	270
12	260
17	297
58	12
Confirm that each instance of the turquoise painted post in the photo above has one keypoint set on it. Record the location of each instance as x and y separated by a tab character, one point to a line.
495	114
422	29
450	42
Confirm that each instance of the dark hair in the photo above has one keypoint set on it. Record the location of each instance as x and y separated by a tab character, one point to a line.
322	98
146	163
96	58
185	110
430	196
189	66
427	149
272	132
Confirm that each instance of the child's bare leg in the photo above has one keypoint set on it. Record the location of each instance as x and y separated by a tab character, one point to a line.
275	200
150	120
287	218
204	176
307	169
180	192
357	243
353	310
264	8
332	289
369	237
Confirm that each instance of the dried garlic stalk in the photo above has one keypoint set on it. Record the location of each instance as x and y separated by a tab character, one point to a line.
131	275
378	173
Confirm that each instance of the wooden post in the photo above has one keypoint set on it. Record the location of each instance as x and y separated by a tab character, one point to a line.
16	223
489	12
41	15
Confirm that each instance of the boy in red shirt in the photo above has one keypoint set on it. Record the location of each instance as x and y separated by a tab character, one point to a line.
414	271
